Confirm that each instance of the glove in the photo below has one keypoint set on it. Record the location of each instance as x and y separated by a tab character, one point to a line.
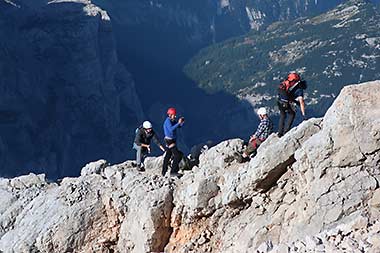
304	117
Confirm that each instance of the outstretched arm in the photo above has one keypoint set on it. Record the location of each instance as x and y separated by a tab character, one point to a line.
173	127
155	139
302	105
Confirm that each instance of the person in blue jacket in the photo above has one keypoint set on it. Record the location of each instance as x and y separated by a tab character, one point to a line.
170	131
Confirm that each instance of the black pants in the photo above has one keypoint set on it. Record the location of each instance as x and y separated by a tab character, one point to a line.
288	114
173	151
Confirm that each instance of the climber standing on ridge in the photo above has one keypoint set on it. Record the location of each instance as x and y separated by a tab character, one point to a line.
264	129
170	130
290	94
144	136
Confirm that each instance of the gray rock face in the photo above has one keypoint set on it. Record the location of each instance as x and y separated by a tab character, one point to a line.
315	189
65	97
92	213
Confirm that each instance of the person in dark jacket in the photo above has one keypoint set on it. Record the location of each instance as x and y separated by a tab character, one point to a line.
290	93
144	136
170	129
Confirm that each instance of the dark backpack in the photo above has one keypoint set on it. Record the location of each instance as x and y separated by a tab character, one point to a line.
303	84
136	132
138	129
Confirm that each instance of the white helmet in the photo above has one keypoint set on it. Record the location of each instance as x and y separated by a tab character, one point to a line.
147	125
262	111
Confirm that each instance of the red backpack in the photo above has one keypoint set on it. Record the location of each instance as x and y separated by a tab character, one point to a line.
291	82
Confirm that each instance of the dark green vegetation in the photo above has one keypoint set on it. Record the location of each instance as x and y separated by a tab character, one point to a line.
331	50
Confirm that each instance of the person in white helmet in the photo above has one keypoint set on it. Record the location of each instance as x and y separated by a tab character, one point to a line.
144	136
264	129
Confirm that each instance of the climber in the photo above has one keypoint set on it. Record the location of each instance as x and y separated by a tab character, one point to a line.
170	130
144	136
264	129
290	94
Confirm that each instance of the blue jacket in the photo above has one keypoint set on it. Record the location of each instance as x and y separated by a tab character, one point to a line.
170	128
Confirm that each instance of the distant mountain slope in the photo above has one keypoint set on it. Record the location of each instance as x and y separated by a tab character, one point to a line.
261	13
177	28
329	50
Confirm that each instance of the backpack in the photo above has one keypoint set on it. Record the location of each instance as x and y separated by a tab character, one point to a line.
136	132
286	87
293	81
303	84
138	129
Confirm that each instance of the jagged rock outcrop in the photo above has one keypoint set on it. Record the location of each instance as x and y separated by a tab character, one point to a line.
116	209
315	189
66	99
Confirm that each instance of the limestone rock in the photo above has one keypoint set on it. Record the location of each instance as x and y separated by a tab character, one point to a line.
94	168
91	213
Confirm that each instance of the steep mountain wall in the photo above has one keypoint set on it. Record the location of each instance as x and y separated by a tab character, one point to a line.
65	97
316	188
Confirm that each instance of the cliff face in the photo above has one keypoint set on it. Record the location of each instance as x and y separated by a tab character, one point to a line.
65	98
316	188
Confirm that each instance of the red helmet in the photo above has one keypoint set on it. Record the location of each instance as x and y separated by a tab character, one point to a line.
172	111
293	77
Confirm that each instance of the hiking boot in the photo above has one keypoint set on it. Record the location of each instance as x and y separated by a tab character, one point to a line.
242	159
175	174
238	157
245	159
229	159
140	168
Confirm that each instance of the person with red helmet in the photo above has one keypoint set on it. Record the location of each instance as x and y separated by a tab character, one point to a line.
171	111
170	130
290	93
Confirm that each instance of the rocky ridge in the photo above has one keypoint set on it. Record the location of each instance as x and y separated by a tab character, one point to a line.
317	188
